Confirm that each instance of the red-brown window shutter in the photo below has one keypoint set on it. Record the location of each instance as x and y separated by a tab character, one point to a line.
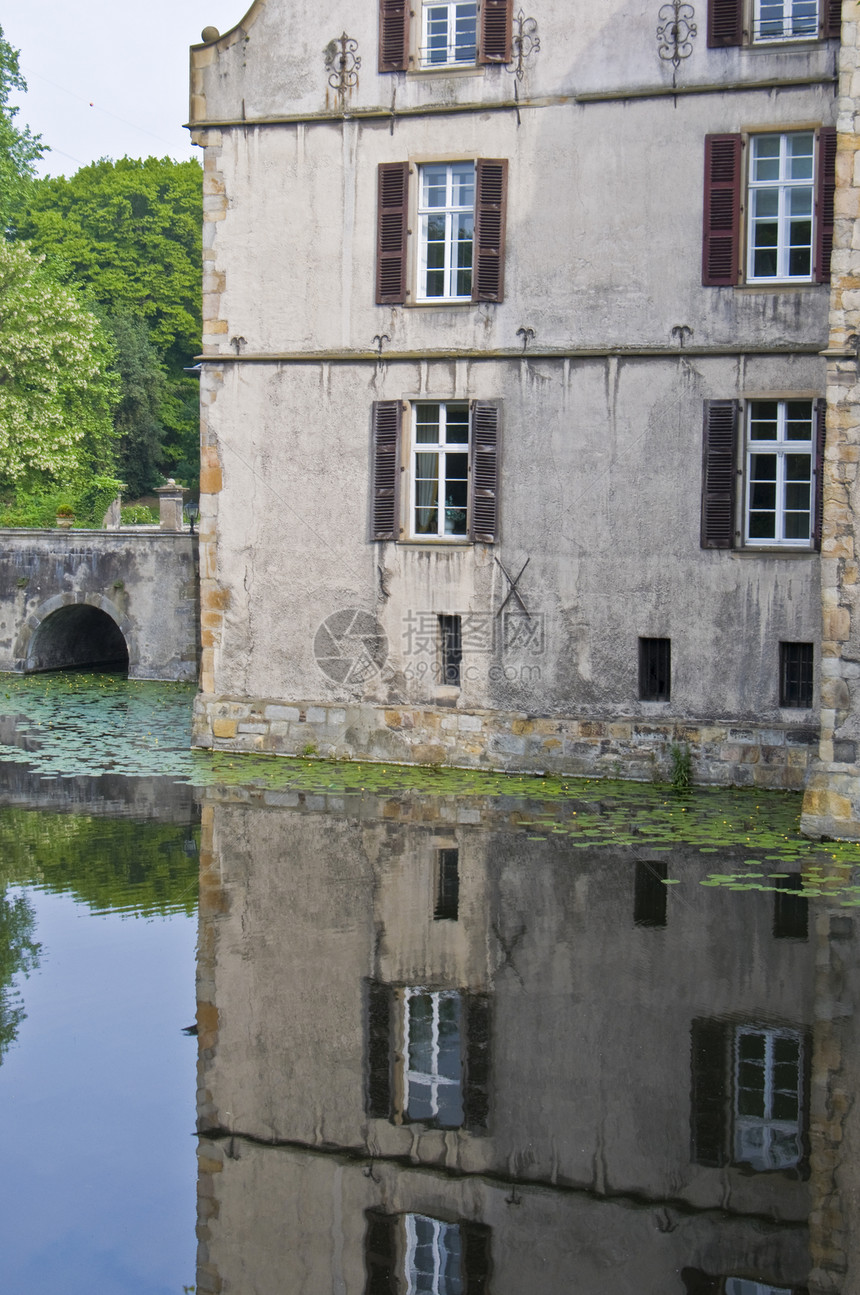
496	23
722	214
392	203
491	189
725	23
393	35
718	474
386	469
826	185
484	475
820	441
831	18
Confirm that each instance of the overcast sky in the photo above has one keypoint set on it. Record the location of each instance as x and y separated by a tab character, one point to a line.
109	78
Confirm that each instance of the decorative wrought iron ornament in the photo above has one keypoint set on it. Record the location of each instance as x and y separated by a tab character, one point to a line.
676	32
524	44
342	63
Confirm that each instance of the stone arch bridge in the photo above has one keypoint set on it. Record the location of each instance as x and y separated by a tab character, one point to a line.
112	598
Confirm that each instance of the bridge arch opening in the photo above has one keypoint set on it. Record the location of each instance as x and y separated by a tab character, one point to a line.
77	637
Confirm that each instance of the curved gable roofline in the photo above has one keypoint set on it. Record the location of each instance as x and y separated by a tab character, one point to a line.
228	38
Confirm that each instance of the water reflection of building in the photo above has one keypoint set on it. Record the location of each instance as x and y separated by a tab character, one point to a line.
443	1056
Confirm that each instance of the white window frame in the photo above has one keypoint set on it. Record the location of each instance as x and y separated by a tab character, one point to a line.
785	187
442	449
430	1080
803	14
767	1127
453	212
452	11
780	448
443	1282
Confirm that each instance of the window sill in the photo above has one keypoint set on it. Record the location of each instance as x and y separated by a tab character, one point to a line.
778	285
446	302
460	542
448	69
773	551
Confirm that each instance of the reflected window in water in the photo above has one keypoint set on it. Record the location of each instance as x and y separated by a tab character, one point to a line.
790	909
416	1254
748	1096
741	1286
768	1079
433	1256
432	1049
427	1056
447	886
649	895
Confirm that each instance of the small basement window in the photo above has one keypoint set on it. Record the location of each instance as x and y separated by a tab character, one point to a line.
451	642
655	669
795	674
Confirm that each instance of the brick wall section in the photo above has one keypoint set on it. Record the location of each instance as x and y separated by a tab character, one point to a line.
722	754
832	801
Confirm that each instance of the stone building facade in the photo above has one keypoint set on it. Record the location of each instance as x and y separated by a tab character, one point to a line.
513	393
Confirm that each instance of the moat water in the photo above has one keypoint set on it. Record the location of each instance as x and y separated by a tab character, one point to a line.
275	1026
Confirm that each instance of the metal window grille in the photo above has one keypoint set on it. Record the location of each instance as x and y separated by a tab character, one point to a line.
655	669
649	895
795	674
451	638
447	886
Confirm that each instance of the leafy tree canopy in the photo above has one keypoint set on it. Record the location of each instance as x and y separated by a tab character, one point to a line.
19	148
127	234
57	393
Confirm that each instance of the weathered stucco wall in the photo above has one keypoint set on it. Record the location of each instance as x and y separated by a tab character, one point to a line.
144	583
601	458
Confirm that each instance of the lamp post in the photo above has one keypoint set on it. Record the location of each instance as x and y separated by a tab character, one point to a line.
192	512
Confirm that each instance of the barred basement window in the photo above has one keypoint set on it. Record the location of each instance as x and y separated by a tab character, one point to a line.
451	643
795	674
447	886
655	669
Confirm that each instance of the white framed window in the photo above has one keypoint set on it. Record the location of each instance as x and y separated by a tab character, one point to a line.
768	1097
449	34
779	466
433	1080
781	194
780	20
446	223
434	1264
440	470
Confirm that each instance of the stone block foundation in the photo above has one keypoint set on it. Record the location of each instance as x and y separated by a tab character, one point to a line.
723	754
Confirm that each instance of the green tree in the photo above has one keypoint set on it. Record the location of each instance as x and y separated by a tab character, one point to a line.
137	419
19	954
57	391
19	148
126	234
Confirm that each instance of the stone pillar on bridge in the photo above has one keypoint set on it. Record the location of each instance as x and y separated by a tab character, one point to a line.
831	805
170	506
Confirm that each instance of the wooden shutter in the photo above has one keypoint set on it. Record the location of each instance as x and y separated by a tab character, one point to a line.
379	1003
380	1253
476	1086
709	1095
491	191
826	190
725	23
495	38
719	473
831	18
475	1243
722	210
484	473
392	203
820	442
387	421
393	35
